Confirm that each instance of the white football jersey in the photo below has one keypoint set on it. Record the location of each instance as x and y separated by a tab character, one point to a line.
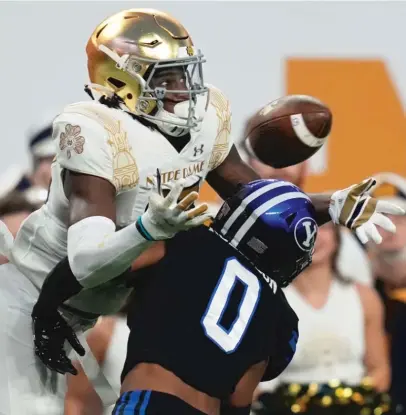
97	140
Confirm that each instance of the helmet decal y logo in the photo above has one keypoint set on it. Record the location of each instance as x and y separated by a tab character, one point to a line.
305	233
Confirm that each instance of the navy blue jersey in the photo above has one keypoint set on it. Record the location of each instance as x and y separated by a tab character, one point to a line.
206	314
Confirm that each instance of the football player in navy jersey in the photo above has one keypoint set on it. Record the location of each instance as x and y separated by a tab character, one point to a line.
209	321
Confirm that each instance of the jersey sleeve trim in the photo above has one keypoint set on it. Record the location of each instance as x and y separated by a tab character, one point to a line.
223	141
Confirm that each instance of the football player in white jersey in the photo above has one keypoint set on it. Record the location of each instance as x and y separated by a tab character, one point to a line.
155	112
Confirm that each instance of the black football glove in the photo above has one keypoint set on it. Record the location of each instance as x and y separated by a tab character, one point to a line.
50	333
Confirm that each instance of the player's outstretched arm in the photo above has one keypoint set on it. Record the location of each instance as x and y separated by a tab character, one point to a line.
97	253
354	208
233	171
230	174
351	207
97	248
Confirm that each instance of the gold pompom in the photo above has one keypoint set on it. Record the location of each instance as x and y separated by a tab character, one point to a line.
295	408
347	392
313	389
367	383
334	383
326	401
294	389
339	392
357	398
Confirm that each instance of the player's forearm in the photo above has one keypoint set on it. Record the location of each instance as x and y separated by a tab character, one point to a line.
230	174
59	286
233	172
321	202
97	253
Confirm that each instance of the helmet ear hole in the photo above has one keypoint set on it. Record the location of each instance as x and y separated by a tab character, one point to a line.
291	218
116	83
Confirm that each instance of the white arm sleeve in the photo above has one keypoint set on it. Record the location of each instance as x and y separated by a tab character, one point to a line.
82	143
97	253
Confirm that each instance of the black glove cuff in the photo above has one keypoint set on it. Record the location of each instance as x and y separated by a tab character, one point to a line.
59	286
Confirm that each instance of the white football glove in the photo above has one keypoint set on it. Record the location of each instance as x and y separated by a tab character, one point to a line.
166	216
354	208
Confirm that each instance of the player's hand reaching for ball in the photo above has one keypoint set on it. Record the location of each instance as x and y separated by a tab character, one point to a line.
354	208
167	216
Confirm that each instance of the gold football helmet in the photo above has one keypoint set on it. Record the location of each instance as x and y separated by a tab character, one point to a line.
138	54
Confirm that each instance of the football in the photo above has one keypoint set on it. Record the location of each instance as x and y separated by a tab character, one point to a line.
288	130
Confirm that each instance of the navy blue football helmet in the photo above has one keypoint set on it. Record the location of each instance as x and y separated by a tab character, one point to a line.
272	223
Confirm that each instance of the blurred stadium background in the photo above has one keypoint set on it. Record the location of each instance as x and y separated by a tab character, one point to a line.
351	55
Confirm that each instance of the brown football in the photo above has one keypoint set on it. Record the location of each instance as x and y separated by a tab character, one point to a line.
289	130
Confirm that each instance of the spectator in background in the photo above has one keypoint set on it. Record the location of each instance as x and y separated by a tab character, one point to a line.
42	151
15	204
341	364
14	208
389	265
32	185
22	192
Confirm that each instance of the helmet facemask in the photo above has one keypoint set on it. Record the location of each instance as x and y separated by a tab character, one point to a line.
155	88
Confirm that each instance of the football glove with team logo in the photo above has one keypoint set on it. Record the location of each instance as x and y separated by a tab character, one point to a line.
354	208
167	216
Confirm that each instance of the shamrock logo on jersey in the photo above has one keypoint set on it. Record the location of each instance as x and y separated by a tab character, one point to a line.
71	140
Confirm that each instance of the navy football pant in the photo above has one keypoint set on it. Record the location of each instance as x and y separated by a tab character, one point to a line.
146	402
